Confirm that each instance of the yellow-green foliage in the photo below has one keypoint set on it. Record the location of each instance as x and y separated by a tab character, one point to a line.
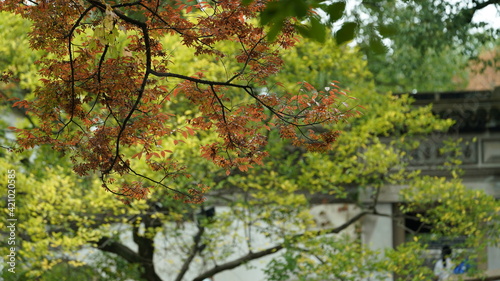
16	56
454	210
56	212
407	262
321	63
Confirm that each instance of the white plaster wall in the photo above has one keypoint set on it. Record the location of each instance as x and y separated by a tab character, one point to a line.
493	258
377	231
334	215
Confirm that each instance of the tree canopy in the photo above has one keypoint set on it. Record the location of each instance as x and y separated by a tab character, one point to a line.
107	78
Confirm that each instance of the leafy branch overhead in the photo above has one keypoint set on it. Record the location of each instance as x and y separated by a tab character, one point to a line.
108	96
309	22
377	26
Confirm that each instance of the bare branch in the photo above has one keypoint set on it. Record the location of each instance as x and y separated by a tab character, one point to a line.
194	251
109	245
253	256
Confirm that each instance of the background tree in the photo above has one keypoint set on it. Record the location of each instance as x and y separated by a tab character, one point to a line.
269	203
429	42
410	45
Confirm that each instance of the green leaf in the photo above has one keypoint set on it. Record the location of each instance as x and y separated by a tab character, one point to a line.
376	45
346	32
273	32
272	13
300	8
387	30
335	11
315	31
318	30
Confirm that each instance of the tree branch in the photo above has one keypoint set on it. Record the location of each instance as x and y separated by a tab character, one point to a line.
194	250
466	15
237	262
109	245
196	80
253	256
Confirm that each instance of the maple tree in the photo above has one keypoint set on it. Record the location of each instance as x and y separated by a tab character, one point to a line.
107	82
170	240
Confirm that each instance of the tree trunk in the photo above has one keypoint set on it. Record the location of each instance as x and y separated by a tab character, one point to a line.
146	252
